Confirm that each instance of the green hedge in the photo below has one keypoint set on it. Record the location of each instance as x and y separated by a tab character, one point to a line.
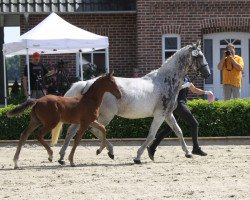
229	118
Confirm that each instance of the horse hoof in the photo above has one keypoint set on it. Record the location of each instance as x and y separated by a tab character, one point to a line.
111	155
61	162
138	162
73	165
16	167
188	155
98	152
50	159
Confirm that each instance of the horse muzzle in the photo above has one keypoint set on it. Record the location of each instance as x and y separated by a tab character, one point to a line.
205	71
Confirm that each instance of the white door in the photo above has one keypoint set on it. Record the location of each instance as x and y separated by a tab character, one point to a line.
214	46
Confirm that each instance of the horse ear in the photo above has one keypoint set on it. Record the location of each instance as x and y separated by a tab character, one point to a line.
198	43
111	73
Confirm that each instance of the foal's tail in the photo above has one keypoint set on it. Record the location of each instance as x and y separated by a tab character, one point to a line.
22	107
55	133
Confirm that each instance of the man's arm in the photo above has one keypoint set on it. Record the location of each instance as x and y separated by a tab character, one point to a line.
48	72
236	65
51	72
221	63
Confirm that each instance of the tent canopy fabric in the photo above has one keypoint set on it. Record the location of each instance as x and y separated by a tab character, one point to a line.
54	35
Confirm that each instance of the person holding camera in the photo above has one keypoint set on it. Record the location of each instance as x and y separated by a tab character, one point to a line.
232	67
37	73
182	112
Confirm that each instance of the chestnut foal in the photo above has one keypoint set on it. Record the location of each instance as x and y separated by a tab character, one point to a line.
51	111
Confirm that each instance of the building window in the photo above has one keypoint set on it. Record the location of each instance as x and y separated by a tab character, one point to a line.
170	44
94	63
107	5
233	41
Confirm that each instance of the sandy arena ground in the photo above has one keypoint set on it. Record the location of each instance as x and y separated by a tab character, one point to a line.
223	174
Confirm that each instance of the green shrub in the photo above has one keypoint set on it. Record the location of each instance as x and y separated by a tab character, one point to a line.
229	118
10	128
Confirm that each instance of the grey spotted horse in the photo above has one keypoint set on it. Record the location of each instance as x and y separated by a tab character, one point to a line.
153	95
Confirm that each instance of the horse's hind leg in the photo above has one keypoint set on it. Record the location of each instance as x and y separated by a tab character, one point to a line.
33	124
40	137
77	140
70	134
102	128
175	127
157	121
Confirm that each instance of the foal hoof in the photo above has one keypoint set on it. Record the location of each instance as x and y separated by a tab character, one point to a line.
111	155
73	165
98	152
61	162
189	155
138	162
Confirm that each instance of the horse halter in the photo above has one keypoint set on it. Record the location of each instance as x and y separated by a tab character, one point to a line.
195	53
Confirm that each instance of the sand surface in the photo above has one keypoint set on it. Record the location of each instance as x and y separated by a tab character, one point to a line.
223	174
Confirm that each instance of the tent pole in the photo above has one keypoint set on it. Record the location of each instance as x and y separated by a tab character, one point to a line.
107	59
28	70
5	81
81	65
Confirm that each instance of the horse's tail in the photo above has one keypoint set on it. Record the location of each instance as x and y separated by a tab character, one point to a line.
21	108
55	133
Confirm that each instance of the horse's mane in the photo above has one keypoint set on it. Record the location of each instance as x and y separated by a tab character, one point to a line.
175	55
169	63
176	60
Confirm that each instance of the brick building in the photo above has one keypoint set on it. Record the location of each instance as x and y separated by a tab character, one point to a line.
143	33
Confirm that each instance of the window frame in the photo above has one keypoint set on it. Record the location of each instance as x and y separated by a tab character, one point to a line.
92	53
164	50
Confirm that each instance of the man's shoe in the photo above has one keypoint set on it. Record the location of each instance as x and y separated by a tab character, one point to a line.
151	153
198	151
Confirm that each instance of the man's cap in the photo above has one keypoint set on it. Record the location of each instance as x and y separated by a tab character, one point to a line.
36	55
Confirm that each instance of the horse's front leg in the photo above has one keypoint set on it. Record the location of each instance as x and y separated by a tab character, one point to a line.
157	121
70	134
170	119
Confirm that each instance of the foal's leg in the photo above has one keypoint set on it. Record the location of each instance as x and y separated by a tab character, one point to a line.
170	119
33	124
102	128
40	137
157	121
70	134
72	131
77	140
104	119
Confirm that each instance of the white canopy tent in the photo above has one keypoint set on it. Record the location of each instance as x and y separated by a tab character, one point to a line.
54	35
